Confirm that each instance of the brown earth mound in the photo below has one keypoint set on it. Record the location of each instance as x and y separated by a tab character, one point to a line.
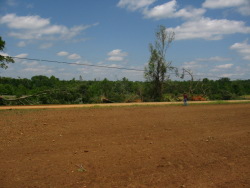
163	146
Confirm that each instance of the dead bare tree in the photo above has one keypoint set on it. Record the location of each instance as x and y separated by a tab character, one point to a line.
192	85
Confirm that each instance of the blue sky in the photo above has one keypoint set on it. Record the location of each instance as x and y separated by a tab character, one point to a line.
212	37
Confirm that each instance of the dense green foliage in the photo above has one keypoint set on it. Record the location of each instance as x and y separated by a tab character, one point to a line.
158	68
45	90
4	60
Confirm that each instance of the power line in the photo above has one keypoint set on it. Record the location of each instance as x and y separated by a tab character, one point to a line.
82	64
101	66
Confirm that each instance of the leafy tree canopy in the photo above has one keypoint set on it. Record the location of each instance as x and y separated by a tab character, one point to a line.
4	60
156	71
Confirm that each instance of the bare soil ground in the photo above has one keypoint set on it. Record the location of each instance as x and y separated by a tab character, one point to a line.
53	106
196	146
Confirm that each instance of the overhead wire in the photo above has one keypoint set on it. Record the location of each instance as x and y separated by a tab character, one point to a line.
98	66
82	64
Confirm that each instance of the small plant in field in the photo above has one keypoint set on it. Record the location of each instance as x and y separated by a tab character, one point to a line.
81	168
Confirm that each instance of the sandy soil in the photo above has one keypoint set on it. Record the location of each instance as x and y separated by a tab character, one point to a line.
196	146
112	104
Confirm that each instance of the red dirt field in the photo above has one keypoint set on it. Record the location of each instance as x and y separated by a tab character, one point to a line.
197	146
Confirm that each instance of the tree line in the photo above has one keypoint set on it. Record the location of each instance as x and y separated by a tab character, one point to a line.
157	86
51	90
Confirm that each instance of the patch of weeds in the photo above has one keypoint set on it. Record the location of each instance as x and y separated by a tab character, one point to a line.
81	168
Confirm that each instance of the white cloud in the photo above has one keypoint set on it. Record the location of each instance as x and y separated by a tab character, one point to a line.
117	55
191	65
188	13
62	53
166	10
225	66
86	62
242	6
35	27
74	56
37	70
29	64
169	10
113	65
115	58
201	65
209	29
223	3
228	75
24	22
244	10
213	59
4	54
243	49
134	4
22	55
21	44
117	52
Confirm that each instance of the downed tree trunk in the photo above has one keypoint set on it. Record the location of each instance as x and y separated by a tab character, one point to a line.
105	100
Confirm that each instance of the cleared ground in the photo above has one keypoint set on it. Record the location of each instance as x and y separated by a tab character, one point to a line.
148	146
52	106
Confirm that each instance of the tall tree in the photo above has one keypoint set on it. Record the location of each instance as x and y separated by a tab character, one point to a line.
157	68
4	60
